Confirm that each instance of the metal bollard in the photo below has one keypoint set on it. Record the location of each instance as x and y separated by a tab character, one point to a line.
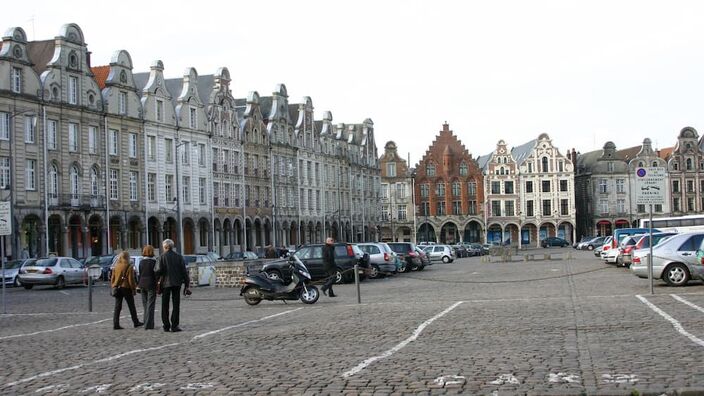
356	281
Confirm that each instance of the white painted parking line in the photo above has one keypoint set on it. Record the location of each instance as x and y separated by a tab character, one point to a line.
677	325
400	345
683	301
53	330
243	324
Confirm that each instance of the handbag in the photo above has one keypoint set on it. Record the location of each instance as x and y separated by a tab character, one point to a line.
114	290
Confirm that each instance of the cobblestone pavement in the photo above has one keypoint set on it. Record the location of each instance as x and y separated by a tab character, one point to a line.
544	327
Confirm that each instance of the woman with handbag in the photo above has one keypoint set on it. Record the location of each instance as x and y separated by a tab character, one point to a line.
147	283
124	286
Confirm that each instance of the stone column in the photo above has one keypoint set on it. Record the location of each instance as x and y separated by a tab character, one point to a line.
86	241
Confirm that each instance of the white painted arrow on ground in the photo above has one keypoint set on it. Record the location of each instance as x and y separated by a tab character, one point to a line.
505	379
147	387
563	378
450	380
620	378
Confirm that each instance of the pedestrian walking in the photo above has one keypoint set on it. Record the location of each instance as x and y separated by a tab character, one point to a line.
147	283
330	267
171	273
123	282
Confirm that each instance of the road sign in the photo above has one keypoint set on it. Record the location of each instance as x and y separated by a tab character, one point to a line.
651	185
5	219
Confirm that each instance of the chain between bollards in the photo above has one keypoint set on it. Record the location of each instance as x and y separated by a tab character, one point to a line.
356	281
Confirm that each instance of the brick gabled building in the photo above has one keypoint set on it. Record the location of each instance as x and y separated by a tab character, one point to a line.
449	192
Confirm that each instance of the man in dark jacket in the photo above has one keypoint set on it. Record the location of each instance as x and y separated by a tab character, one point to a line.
330	267
171	272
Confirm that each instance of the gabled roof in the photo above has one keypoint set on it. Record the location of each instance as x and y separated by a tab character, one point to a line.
175	85
101	74
40	52
520	153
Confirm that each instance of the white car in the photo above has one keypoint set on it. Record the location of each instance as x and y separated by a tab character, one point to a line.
675	260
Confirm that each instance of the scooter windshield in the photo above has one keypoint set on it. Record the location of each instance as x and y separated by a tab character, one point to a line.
300	267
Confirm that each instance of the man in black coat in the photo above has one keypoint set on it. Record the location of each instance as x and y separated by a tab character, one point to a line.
172	272
330	267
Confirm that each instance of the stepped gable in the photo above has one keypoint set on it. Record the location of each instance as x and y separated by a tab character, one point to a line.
445	142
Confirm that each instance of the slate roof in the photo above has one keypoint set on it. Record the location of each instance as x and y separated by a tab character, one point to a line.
483	160
40	53
520	153
175	85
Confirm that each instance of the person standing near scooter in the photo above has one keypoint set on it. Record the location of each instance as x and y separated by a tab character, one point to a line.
330	267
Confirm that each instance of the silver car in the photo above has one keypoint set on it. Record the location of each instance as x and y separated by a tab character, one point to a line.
442	253
382	260
12	271
57	271
674	260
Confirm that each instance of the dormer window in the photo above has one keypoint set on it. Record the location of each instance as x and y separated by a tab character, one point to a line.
159	110
122	103
73	61
688	164
55	93
609	166
193	118
430	170
73	90
16	80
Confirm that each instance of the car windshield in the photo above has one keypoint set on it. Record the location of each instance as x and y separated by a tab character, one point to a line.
105	261
48	262
13	264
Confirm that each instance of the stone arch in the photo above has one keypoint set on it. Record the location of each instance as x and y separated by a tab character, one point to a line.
473	231
170	230
529	234
217	236
134	233
203	233
449	233
116	233
75	236
546	229
189	236
426	233
154	232
56	235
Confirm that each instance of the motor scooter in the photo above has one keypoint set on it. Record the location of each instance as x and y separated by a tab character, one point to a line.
258	287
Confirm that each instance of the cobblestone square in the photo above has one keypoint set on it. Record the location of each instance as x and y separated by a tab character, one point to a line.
541	327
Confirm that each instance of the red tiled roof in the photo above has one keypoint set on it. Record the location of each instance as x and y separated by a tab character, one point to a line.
101	74
665	153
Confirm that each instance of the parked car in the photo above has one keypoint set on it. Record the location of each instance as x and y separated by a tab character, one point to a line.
474	249
554	241
624	249
237	256
442	253
424	259
56	271
579	245
460	251
591	244
676	260
407	253
643	242
134	260
205	266
382	260
105	262
11	275
600	249
312	256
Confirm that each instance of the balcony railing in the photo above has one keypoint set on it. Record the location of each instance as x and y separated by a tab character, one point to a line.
76	201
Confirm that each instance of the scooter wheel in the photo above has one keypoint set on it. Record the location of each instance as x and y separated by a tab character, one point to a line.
252	296
310	296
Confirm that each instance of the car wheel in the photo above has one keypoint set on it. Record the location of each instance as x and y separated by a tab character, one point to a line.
310	294
374	272
28	287
676	275
252	296
420	268
565	244
445	259
590	247
402	268
274	275
60	283
17	282
339	276
405	267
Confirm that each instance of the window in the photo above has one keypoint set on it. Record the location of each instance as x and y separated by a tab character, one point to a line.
440	189
640	208
424	190
168	188
609	166
75	183
16	80
675	204
495	187
530	211
30	173
193	118
675	166
51	136
544	164
688	164
456	207
545	186
564	207
114	184
151	147
547	207
620	186
201	154
133	145
508	187
690	186
186	153
53	181
114	142
456	189
675	186
530	167
30	129
94	182
72	137
621	205
496	208
441	208
169	150
151	187
690	204
472	207
385	190
529	187
509	208
561	166
472	189
216	194
122	103
225	160
134	177
658	208
187	189
4	172
463	169
73	90
216	158
400	191
603	206
603	186
201	190
401	212
391	169
92	140
4	125
159	110
430	170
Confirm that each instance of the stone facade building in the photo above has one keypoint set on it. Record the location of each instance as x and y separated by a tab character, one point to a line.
97	159
397	206
449	190
685	166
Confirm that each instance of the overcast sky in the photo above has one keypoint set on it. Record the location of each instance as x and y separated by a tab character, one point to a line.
583	72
